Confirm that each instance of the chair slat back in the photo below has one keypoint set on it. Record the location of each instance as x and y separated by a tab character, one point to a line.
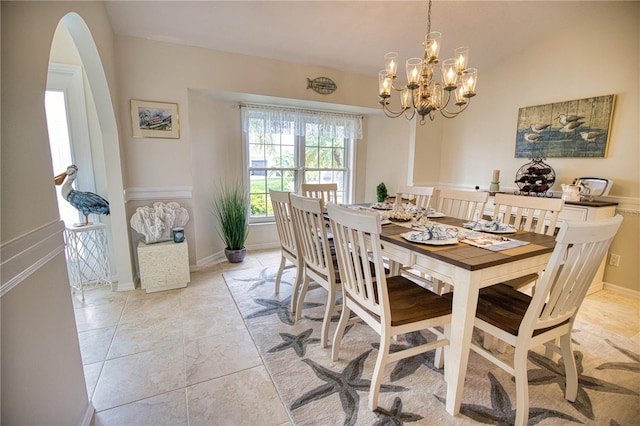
313	248
356	235
464	205
328	192
420	195
580	248
282	212
532	214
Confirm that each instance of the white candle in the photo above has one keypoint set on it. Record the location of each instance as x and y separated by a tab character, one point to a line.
496	176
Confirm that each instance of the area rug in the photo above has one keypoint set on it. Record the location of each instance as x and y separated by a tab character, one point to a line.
318	391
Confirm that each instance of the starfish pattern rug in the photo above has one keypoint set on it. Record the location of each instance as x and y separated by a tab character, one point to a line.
319	391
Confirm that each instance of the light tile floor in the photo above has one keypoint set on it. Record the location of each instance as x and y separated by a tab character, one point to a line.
184	356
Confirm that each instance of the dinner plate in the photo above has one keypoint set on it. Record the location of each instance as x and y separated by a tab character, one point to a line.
385	222
407	236
436	214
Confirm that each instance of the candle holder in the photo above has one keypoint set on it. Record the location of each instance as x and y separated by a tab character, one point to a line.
495	186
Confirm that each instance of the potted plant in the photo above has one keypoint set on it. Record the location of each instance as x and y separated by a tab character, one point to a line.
231	208
381	192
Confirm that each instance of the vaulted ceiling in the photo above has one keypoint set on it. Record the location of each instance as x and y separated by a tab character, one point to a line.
350	35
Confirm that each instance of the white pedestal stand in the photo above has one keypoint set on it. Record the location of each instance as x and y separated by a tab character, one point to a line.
163	266
87	256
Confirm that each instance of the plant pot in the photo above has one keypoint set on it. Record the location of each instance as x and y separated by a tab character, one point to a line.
235	256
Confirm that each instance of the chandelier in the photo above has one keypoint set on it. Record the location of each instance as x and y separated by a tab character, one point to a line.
423	95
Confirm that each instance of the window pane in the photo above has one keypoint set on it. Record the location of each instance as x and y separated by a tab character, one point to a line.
283	143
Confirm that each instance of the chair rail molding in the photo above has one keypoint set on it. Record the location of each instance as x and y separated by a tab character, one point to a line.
147	193
24	255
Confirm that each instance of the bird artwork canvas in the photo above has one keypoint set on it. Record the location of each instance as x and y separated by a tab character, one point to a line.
85	202
576	128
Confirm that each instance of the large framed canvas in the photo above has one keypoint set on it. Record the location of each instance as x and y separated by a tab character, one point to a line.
578	128
154	119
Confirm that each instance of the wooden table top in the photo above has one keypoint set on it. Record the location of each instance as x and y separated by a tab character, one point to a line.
467	256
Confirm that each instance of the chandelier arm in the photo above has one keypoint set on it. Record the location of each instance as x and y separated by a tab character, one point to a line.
391	113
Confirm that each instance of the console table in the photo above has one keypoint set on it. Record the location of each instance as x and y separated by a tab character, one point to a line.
87	255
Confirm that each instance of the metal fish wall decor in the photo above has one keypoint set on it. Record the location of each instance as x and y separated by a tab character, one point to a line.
322	85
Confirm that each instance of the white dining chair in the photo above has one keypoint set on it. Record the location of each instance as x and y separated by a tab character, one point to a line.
391	306
315	252
281	203
533	214
525	322
418	195
421	197
328	192
465	205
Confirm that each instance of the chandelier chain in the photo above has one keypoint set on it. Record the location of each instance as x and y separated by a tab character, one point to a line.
429	17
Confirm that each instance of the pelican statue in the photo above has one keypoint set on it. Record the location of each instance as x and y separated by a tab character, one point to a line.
85	202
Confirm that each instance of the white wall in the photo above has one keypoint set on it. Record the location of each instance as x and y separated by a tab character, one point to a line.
595	56
42	375
208	86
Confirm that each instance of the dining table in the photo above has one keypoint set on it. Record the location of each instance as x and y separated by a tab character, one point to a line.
468	268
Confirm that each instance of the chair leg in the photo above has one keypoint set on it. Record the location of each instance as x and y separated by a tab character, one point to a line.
283	261
342	325
522	385
548	352
326	321
378	371
438	360
297	282
301	296
570	371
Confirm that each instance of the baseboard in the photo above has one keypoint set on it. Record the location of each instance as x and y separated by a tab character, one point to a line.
264	246
125	286
88	415
621	290
207	261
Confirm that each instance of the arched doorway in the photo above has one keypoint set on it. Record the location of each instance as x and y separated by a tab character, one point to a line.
105	147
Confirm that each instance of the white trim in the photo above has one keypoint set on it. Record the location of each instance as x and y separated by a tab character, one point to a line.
24	255
88	415
125	286
621	290
157	193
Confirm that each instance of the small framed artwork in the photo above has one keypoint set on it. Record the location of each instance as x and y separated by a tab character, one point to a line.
579	128
151	119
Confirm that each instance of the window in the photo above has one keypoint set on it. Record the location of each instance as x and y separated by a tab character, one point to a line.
285	147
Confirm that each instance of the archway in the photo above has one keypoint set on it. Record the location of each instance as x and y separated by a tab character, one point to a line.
108	148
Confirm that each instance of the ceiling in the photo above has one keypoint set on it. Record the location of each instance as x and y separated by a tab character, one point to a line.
350	36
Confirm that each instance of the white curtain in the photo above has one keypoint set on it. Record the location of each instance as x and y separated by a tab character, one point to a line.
302	122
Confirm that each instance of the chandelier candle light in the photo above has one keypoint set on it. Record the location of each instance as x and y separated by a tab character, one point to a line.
421	94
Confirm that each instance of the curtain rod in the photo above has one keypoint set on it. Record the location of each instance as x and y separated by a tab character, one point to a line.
294	109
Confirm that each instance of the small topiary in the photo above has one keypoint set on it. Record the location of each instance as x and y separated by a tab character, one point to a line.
381	191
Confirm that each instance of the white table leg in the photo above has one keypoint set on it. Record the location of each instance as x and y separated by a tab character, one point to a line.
465	298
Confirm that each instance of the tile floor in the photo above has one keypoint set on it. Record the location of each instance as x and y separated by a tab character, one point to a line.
184	357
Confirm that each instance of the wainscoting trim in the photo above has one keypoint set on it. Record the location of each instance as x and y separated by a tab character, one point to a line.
26	254
157	193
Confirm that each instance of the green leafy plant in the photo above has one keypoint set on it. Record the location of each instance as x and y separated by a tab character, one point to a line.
231	208
381	192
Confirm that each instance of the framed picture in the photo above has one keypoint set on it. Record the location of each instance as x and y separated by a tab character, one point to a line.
578	128
154	119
